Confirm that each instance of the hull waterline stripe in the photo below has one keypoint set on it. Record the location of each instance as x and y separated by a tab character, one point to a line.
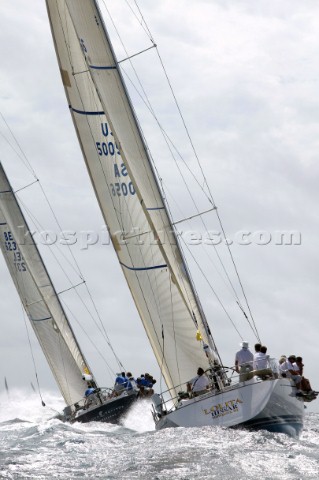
280	419
156	208
288	424
142	268
5	223
83	112
6	191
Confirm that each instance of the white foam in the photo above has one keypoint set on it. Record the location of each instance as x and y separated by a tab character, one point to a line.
139	417
27	406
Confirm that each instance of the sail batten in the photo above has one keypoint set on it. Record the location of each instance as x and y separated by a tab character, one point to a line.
39	319
82	112
143	268
112	67
127	190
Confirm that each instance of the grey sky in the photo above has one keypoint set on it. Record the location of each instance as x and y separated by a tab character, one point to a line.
246	76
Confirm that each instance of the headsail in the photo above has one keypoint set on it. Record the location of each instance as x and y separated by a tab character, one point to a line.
127	190
39	298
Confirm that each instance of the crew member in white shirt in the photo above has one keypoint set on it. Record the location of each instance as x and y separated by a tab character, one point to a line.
244	359
200	384
261	359
291	371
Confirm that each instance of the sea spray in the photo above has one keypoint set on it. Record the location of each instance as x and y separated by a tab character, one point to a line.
34	445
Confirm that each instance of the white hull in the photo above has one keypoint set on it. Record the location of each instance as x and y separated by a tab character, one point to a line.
270	405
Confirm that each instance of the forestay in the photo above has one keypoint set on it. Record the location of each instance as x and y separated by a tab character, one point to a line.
39	298
127	190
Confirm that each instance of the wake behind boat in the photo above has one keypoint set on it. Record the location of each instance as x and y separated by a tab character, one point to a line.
85	400
134	207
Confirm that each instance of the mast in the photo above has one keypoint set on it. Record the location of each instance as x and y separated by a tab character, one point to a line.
127	190
39	297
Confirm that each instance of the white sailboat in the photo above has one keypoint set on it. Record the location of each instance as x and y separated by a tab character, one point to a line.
49	320
145	240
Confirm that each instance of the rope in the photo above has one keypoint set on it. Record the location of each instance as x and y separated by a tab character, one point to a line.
161	368
32	356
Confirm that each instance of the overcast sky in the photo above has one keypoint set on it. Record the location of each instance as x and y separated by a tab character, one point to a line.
246	77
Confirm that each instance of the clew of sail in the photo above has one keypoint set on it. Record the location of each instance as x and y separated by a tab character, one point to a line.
39	298
127	191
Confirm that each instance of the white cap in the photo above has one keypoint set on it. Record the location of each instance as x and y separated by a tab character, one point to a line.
244	344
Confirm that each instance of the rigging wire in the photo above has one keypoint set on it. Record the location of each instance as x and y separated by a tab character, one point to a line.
187	304
40	227
231	290
168	141
27	163
80	297
111	371
208	188
211	199
239	279
142	22
22	157
161	366
189	283
173	324
32	355
117	211
21	289
212	288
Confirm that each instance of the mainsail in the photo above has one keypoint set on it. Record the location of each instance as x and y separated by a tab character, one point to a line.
127	191
39	298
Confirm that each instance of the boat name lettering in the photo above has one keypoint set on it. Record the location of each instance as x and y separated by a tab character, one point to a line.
221	409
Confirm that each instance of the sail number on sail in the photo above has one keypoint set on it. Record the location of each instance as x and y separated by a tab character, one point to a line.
11	246
9	241
109	148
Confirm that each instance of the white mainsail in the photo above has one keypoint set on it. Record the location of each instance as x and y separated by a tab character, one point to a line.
39	298
127	190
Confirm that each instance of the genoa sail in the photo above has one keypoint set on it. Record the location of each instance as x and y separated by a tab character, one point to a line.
127	190
39	298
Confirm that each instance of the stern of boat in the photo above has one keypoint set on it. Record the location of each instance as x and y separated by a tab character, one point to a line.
104	408
269	404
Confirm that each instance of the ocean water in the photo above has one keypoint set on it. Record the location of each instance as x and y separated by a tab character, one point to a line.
34	445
